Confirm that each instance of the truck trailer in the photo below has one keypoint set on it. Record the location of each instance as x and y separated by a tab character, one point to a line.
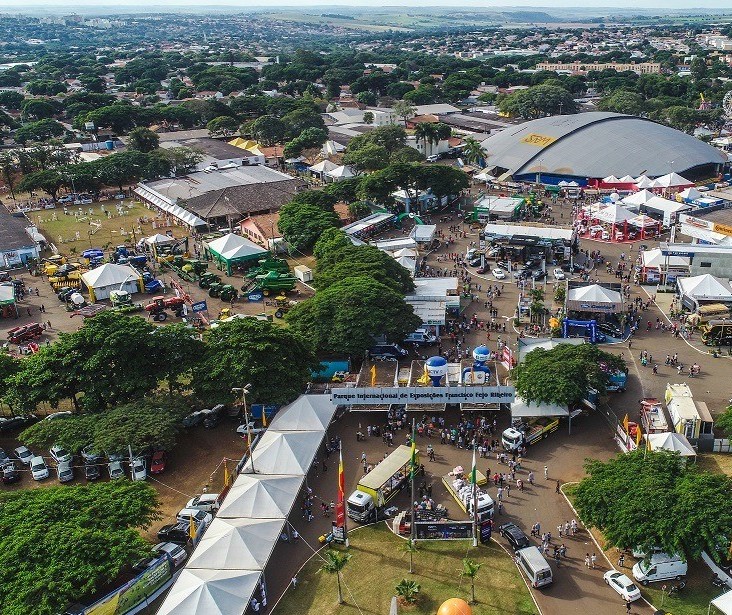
526	434
462	491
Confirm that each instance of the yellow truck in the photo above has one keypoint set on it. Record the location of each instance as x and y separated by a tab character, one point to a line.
381	485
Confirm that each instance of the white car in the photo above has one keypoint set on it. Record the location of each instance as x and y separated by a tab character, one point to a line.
242	429
57	415
39	469
208	502
177	553
60	454
622	584
605	236
65	472
23	454
184	516
138	470
115	470
499	274
559	274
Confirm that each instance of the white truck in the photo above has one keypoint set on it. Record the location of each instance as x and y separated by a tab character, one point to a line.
528	433
462	490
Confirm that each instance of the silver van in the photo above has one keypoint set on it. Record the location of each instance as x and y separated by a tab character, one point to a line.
536	568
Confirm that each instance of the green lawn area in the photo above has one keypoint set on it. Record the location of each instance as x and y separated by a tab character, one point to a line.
716	462
378	565
105	231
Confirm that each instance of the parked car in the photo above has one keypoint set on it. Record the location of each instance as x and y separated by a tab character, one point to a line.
387	352
421	337
610	329
17	422
143	564
157	463
514	535
622	584
483	270
559	274
24	454
199	516
176	533
3	457
605	236
91	471
177	553
211	418
433	158
138	469
60	454
499	274
494	251
194	419
65	472
115	470
208	502
475	261
57	415
538	274
39	469
242	429
90	455
10	473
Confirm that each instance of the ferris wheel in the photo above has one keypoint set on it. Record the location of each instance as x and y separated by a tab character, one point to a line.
727	104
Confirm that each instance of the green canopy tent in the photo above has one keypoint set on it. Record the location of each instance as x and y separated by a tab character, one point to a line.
8	306
232	249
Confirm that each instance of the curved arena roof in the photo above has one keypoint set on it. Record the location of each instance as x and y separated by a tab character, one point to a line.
595	145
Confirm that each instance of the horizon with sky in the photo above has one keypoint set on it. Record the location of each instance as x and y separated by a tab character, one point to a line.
63	6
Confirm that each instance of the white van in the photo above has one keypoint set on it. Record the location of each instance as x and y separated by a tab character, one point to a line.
660	567
537	569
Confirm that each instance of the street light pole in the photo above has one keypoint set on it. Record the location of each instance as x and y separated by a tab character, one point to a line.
243	392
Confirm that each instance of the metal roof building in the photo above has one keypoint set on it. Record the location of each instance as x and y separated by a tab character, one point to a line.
594	145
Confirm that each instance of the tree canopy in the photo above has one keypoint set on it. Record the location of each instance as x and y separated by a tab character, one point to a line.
302	223
344	317
58	544
653	499
563	374
538	101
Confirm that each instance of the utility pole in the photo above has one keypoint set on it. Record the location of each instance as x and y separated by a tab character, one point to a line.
413	524
243	392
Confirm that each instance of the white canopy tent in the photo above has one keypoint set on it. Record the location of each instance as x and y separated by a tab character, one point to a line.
626	179
213	592
101	281
484	176
237	544
614	214
159	240
284	452
261	497
234	246
339	173
655	258
643	221
521	409
668	208
306	413
405	252
594	298
723	603
610	179
638	198
322	167
670	441
671	180
409	264
690	194
423	233
642	181
704	288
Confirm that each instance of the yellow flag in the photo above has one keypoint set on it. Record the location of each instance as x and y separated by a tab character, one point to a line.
625	424
226	475
373	375
638	436
264	416
191	528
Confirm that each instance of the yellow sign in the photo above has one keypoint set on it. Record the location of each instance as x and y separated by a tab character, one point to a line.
725	229
538	140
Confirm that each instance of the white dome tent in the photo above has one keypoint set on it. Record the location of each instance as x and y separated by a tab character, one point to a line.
213	592
101	281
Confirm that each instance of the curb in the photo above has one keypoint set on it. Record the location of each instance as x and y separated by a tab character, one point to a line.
594	540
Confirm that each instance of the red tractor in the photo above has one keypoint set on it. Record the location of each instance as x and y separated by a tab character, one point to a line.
157	308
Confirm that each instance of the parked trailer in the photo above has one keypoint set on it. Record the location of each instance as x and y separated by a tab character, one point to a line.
462	491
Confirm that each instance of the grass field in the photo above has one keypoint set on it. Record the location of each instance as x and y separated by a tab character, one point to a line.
378	565
72	234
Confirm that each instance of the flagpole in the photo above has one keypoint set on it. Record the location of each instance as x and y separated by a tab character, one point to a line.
413	525
474	476
342	495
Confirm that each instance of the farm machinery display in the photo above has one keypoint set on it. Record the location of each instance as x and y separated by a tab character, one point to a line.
282	305
189	269
225	292
159	306
271	276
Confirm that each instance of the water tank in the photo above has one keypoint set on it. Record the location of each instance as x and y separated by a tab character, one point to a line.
109	144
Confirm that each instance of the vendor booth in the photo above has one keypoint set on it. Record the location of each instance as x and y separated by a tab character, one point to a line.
8	304
657	268
617	217
670	441
647	226
702	289
231	250
594	298
101	281
665	210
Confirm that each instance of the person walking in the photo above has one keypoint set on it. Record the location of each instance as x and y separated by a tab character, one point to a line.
293	581
587	560
621	561
558	486
546	472
593	559
627	606
531	478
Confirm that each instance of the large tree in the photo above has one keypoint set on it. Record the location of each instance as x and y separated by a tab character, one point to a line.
40	131
301	224
345	317
370	157
653	499
538	101
71	432
58	544
143	139
564	374
277	362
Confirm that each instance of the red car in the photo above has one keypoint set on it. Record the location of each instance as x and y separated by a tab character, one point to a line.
157	463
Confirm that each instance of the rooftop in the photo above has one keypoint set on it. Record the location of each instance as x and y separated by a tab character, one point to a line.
13	235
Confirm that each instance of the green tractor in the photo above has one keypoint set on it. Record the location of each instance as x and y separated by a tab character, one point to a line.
207	279
268	264
228	293
215	289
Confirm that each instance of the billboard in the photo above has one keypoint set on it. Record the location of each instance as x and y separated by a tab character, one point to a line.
423	395
450	530
134	592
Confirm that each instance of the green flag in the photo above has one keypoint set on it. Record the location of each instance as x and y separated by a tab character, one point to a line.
474	471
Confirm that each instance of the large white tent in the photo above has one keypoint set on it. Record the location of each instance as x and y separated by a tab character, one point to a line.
704	288
231	249
671	180
306	413
643	181
638	198
211	592
690	194
237	544
670	441
159	240
669	209
594	298
284	452
101	281
322	167
339	173
261	497
614	214
723	603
